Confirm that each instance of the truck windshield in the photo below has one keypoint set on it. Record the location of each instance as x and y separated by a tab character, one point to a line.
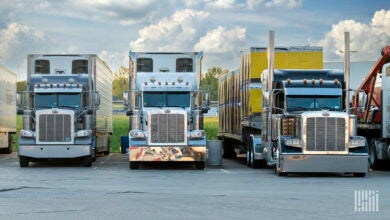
51	100
305	102
166	99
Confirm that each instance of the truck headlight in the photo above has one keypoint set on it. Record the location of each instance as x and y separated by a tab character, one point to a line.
357	142
197	134
293	142
83	133
27	133
137	134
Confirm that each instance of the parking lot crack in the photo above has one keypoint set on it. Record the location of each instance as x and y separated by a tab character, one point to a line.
19	188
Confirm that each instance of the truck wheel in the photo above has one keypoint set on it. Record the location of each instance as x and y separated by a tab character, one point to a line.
375	163
277	167
248	158
23	161
87	161
255	163
277	171
359	174
133	165
94	156
200	165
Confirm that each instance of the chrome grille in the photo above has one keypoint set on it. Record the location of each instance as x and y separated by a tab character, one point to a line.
325	134
167	128
54	128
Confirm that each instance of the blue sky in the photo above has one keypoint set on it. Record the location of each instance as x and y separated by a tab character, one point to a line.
221	28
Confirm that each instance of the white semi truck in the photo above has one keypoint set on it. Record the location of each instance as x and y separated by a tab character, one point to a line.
165	108
7	109
68	109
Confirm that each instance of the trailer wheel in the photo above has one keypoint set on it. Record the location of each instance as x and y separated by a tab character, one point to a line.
200	165
9	149
108	147
23	161
134	165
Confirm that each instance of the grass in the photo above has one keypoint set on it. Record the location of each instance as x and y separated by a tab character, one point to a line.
120	124
121	128
211	126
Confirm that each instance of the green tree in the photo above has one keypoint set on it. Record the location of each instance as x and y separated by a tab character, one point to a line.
21	86
209	81
120	82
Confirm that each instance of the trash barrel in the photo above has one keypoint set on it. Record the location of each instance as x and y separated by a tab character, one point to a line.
214	152
124	144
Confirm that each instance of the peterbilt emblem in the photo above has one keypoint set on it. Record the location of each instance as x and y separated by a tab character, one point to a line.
54	111
167	111
325	114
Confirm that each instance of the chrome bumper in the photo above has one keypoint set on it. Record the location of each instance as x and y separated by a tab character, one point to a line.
54	151
323	163
166	153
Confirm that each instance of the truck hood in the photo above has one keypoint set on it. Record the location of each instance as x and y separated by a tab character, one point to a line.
166	110
325	114
55	111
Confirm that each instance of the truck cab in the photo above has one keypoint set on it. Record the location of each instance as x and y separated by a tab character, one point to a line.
165	109
62	115
311	132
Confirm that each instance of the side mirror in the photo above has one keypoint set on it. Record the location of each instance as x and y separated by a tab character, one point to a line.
97	99
205	109
129	113
18	99
207	98
126	99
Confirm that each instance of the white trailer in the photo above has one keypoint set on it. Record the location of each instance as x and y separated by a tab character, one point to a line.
7	109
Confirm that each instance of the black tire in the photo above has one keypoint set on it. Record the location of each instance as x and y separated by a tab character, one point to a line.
87	161
10	142
359	174
94	156
107	152
255	163
23	161
7	150
248	157
375	163
134	165
277	169
200	165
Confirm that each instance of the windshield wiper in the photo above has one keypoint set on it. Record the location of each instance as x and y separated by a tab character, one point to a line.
295	107
69	106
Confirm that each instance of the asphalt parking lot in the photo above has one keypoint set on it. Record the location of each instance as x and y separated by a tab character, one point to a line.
109	190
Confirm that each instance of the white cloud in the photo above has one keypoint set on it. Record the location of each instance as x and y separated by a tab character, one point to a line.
254	4
221	46
178	32
222	40
367	39
115	59
284	3
17	41
220	4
